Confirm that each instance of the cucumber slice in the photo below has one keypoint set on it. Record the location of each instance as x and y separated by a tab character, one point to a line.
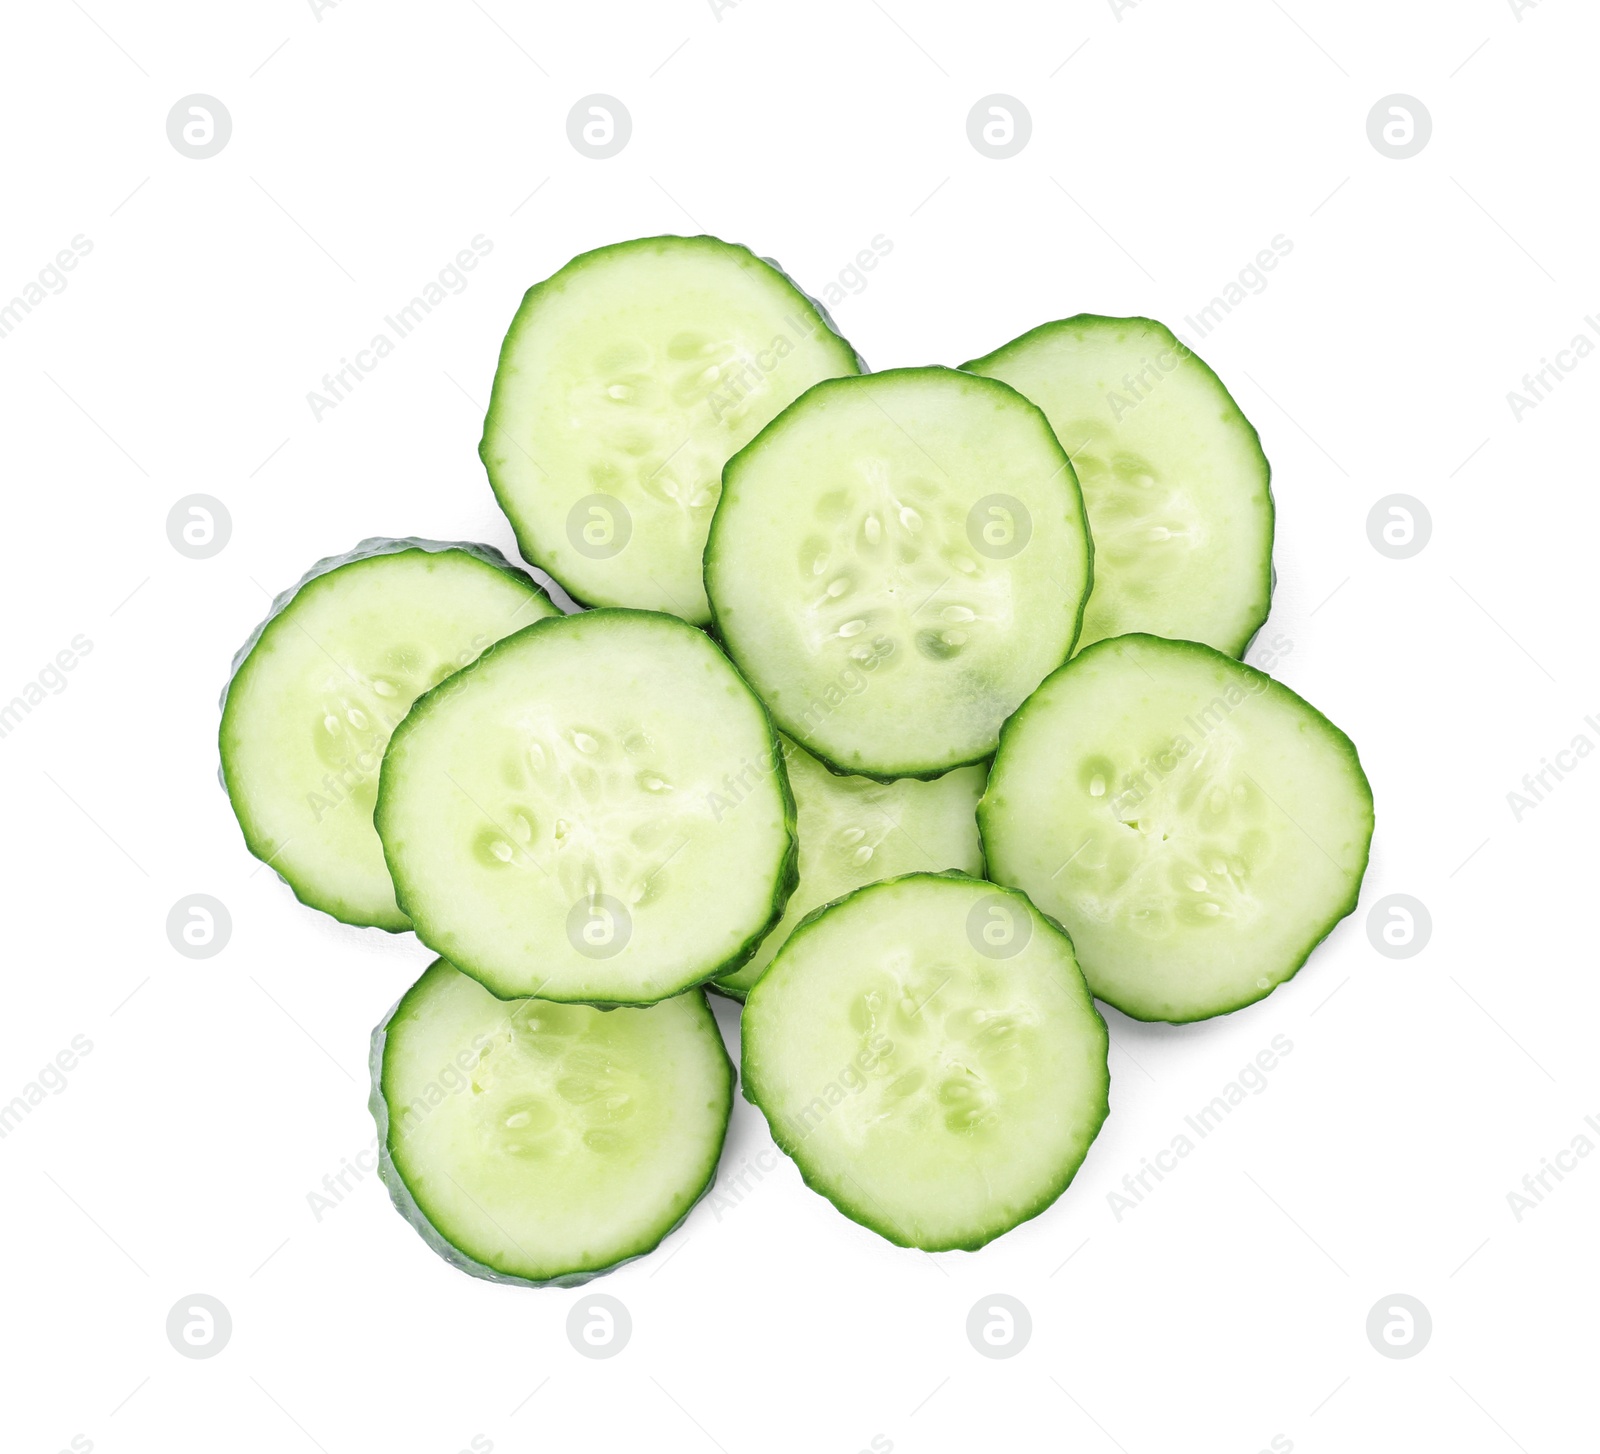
626	381
1178	490
595	810
535	1143
323	681
896	562
927	1052
854	831
1195	826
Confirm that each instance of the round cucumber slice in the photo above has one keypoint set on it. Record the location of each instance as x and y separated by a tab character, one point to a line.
323	681
595	810
626	381
536	1143
927	1052
1194	825
896	562
1178	490
854	831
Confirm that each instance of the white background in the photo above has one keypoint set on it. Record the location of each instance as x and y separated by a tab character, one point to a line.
1169	146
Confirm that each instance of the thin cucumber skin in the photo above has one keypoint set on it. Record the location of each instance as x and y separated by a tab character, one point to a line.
865	1216
364	550
729	470
1336	734
788	872
1078	323
406	1204
527	546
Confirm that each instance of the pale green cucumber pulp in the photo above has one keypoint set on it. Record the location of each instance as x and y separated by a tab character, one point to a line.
927	1052
1194	825
538	1143
1177	488
595	810
854	831
626	381
896	562
319	687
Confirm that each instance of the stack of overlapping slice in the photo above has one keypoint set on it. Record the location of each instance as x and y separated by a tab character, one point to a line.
907	708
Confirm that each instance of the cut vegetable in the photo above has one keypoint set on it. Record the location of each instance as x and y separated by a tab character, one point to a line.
855	831
896	562
927	1052
1194	825
325	679
536	1143
625	383
1177	488
595	810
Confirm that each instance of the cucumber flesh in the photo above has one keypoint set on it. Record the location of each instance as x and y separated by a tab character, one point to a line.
1177	488
934	1090
326	678
1194	825
896	562
537	1143
854	831
626	381
595	810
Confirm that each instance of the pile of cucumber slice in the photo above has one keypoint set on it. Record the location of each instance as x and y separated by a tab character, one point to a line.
907	710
